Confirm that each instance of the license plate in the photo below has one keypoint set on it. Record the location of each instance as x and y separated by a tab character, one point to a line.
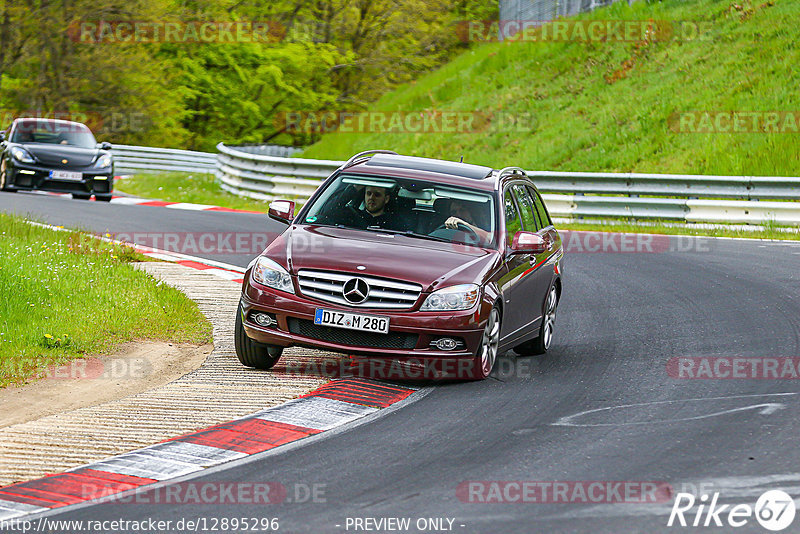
353	321
66	175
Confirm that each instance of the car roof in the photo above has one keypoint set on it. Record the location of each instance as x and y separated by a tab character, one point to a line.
434	170
45	119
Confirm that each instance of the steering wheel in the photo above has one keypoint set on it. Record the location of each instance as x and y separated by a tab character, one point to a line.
354	211
459	226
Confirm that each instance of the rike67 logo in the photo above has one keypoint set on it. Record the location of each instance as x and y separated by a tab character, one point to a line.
774	510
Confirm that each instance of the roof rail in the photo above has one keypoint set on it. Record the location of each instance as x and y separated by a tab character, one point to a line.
511	170
366	152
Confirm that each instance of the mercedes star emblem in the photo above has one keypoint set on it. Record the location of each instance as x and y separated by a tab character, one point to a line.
355	291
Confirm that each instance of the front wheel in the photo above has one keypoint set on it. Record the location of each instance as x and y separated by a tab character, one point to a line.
102	198
81	196
4	178
541	344
483	362
252	353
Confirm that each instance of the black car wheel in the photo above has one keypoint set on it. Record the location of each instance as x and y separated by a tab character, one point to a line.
251	353
541	344
3	175
81	196
103	198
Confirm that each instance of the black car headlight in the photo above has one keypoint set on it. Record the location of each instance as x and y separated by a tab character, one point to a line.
104	161
22	155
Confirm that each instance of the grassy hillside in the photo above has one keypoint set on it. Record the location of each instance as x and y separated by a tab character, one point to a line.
607	105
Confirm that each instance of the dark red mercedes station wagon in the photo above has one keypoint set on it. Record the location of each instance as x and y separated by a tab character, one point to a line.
407	258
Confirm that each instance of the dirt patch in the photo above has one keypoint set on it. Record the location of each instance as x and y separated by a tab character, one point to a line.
136	367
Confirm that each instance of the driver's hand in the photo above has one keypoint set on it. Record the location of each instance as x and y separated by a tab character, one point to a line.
453	222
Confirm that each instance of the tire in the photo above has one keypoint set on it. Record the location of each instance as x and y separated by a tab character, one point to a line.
541	344
3	175
251	353
81	196
483	362
102	198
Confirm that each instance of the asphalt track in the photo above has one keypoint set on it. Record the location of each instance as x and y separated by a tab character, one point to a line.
621	318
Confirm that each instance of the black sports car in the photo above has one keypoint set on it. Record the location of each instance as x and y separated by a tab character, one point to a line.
55	155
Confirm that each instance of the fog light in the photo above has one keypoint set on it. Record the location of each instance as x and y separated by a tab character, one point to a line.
446	343
263	319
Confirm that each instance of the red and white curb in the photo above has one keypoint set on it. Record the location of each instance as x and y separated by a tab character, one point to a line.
218	269
330	406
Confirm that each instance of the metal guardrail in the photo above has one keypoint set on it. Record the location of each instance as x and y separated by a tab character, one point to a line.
574	195
269	150
267	177
672	185
128	158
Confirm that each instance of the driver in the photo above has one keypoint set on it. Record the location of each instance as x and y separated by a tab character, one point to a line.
462	213
376	210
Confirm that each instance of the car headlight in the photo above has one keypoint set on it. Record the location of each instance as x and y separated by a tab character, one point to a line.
21	155
271	274
104	161
452	298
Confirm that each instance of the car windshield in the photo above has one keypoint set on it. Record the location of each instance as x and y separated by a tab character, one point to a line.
420	209
53	132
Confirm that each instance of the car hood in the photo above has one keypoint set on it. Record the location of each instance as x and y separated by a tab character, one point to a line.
51	154
432	264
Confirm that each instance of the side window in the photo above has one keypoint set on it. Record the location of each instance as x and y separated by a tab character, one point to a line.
512	218
526	208
543	215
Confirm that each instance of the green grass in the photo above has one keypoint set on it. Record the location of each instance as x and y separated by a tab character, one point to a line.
584	123
66	295
185	187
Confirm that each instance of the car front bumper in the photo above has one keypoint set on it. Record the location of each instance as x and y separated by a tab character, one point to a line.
410	332
24	176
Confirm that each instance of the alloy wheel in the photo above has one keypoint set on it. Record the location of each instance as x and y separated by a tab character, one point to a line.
490	341
549	318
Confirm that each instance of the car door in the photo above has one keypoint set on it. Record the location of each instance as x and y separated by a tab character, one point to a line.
548	231
529	276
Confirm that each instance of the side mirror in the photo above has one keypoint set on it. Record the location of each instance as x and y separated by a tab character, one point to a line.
281	210
528	242
105	145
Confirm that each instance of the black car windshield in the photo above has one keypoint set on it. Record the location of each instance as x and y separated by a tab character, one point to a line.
53	132
420	209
